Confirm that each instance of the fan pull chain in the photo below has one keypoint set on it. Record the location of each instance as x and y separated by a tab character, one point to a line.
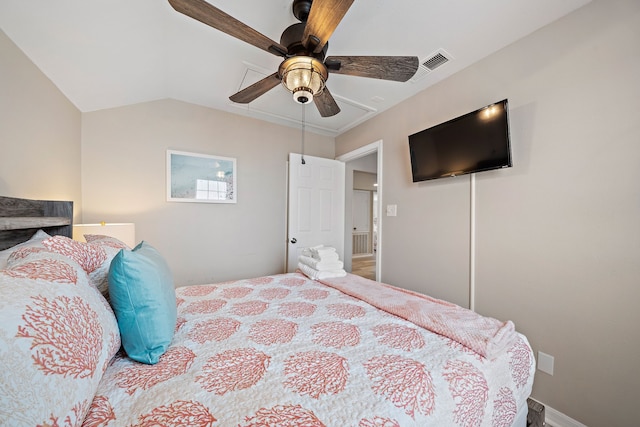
302	156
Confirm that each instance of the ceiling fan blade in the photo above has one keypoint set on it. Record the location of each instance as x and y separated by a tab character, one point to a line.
324	17
325	103
214	17
257	89
396	68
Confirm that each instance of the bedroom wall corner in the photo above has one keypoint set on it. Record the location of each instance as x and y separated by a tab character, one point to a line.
39	133
124	180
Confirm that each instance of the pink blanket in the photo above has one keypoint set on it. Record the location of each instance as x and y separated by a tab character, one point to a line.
484	335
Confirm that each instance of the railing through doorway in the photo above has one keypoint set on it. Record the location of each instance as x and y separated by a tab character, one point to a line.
361	242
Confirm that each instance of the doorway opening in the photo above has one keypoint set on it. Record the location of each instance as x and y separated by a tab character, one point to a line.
362	245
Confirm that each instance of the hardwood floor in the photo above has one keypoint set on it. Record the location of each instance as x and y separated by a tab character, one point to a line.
364	266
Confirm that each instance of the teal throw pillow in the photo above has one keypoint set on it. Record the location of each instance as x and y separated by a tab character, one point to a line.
144	301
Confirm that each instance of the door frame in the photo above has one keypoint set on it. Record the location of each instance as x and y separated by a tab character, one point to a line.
374	147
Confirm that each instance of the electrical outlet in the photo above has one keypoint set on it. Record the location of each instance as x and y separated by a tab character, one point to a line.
545	363
392	210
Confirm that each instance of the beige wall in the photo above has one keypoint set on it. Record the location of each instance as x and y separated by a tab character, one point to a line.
39	132
123	179
558	235
364	180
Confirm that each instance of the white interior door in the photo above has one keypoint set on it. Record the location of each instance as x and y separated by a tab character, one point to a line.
361	210
316	206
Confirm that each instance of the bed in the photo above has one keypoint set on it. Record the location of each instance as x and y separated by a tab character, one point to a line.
280	350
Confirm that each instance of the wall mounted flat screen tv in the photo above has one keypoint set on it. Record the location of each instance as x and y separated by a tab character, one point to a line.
475	142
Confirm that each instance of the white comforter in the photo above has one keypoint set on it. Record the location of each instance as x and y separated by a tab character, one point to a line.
289	351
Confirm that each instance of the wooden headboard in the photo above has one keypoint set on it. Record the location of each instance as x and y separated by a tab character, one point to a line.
21	218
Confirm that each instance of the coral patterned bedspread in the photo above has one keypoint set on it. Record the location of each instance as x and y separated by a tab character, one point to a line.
288	351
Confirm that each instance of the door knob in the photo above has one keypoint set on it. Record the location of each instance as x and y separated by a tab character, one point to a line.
294	240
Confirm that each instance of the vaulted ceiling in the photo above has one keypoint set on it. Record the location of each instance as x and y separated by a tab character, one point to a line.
109	53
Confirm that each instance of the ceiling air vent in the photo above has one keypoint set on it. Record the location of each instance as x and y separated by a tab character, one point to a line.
432	62
435	61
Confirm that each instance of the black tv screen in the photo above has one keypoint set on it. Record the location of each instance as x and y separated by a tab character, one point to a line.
475	142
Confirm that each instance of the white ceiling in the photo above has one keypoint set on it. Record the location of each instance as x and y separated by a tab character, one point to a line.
109	53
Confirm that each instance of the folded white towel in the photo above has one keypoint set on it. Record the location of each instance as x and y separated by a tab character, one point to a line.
325	253
321	265
321	253
322	250
314	274
333	257
307	251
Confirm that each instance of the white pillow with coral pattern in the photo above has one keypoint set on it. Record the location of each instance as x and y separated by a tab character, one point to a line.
57	336
100	276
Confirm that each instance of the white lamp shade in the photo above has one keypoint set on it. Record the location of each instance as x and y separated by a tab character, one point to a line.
125	231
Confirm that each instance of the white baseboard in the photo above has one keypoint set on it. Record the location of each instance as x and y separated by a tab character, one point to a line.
555	418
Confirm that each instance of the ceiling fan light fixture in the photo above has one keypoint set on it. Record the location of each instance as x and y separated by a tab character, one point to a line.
304	77
304	46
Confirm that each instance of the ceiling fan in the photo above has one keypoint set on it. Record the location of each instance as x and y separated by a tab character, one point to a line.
304	70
